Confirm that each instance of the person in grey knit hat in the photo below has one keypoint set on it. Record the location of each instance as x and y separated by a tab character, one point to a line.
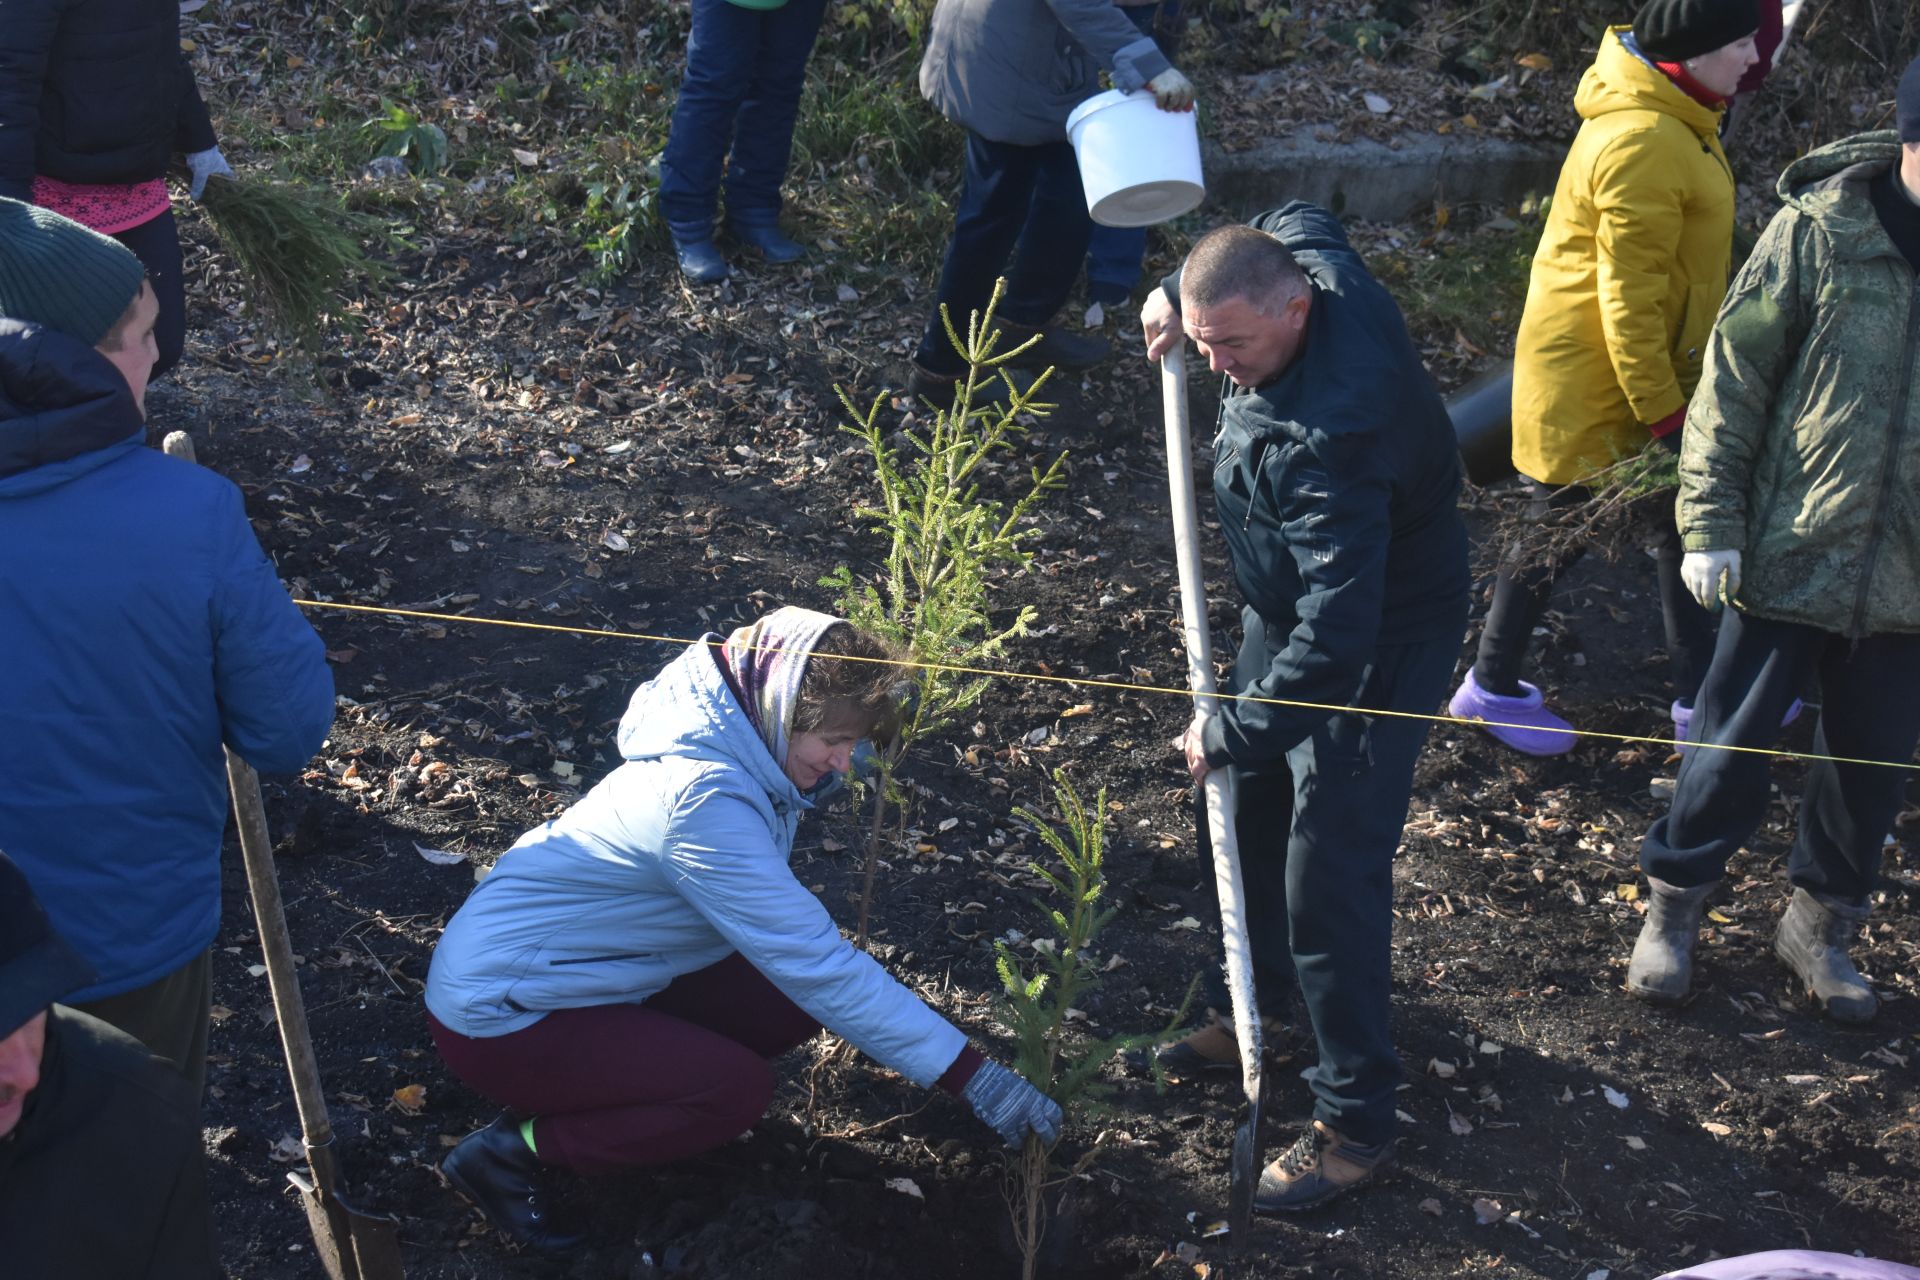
57	273
145	631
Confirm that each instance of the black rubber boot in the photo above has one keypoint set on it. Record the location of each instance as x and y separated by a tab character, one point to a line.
1057	348
700	261
937	388
772	244
494	1168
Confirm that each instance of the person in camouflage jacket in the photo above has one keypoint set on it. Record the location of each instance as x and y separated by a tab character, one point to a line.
1798	507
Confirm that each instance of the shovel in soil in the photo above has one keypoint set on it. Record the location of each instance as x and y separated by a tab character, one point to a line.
351	1243
1217	793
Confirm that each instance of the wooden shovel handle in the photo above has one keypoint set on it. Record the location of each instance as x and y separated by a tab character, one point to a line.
270	916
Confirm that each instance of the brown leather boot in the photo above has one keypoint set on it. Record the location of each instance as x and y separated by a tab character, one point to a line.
1212	1046
1322	1165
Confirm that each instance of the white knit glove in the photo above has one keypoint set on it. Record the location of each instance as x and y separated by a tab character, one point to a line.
1702	572
206	164
1172	91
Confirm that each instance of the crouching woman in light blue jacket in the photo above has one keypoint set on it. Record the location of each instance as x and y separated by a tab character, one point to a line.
621	979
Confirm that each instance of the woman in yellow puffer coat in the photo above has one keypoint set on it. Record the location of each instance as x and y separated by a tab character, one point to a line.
1631	269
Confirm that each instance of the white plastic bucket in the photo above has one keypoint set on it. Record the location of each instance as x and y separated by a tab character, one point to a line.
1139	164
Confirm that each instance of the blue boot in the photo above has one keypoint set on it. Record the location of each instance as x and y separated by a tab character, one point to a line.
700	261
768	239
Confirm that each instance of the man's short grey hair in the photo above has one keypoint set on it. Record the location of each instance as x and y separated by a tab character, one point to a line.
1240	262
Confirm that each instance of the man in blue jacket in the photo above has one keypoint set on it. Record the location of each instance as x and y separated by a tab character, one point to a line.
141	630
1336	474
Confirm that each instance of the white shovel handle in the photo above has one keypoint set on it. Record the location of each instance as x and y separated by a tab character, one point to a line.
1218	789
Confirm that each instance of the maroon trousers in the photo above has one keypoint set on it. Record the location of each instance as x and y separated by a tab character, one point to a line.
617	1085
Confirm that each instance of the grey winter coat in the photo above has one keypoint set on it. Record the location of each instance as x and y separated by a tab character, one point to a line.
1013	70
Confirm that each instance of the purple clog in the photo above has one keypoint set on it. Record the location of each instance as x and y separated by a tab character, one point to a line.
1523	723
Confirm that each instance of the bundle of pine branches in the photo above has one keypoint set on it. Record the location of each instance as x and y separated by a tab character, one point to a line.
302	252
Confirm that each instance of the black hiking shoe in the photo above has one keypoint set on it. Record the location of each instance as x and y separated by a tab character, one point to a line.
1057	347
924	385
494	1168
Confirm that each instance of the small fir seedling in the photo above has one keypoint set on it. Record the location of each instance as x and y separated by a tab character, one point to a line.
945	543
1040	1003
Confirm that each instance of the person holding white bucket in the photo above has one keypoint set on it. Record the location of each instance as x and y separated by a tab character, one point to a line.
1010	72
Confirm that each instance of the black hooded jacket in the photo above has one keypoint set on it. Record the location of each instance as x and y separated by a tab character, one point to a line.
1337	483
94	91
104	1177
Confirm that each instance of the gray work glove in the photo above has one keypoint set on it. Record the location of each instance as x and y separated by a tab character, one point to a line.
1011	1106
1172	91
206	164
1703	570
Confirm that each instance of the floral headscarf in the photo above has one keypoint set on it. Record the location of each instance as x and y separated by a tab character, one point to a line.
766	660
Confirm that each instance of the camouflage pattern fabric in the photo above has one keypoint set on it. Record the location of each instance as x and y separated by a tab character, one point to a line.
1802	445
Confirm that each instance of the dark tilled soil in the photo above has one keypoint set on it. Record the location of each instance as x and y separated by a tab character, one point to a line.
504	444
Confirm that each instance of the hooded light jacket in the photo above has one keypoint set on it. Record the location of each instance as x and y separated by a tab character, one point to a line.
1802	448
1631	268
1014	70
676	859
141	629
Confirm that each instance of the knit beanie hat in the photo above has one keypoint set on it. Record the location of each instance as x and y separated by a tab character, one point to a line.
1906	103
37	966
57	273
1675	30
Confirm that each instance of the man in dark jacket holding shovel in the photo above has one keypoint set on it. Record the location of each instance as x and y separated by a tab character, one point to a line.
141	630
1336	473
101	1170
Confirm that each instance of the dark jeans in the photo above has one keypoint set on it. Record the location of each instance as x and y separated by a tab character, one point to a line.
1317	840
1020	203
1869	710
617	1085
745	68
1521	592
156	242
169	1016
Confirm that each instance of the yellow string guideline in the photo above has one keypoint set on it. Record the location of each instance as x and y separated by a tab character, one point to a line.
1084	681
